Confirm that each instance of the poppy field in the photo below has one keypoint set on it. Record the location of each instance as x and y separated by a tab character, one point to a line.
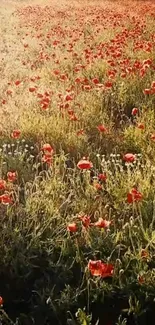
77	162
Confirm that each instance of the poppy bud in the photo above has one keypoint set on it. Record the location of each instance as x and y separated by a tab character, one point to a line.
72	227
134	111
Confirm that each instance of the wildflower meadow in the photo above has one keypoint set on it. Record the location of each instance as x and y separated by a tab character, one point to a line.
77	162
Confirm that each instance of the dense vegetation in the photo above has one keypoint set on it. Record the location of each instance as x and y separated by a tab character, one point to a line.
77	164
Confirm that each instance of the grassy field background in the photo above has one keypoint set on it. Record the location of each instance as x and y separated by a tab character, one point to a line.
77	162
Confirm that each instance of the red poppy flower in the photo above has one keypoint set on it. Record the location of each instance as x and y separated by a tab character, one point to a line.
153	84
84	164
101	223
102	128
44	106
152	136
123	75
73	118
9	92
72	227
12	176
129	157
70	112
147	91
2	184
147	61
5	199
95	267
95	81
45	100
1	301
47	158
45	103
108	84
98	186
15	134
98	268
47	94
63	77
85	220
39	95
134	196
56	72
87	87
4	101
102	177
99	86
80	132
47	147
78	80
32	89
17	82
107	270
134	111
68	97
141	126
